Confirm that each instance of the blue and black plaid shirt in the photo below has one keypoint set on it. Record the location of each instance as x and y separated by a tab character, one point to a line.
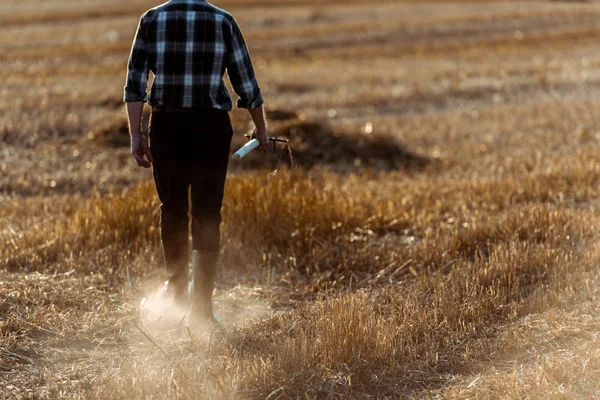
188	45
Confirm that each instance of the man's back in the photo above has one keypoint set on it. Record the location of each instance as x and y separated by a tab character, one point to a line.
188	45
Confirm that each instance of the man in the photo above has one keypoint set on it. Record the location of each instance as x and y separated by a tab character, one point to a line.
188	45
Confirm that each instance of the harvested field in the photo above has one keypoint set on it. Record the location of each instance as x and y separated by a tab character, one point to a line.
432	233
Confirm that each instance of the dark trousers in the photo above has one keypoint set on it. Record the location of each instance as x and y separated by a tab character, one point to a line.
191	153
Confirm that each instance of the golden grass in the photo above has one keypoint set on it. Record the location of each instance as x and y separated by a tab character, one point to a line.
422	295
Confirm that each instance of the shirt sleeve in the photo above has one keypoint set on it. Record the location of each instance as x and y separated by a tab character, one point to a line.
137	68
241	72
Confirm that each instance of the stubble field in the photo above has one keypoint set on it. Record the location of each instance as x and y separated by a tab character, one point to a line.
435	238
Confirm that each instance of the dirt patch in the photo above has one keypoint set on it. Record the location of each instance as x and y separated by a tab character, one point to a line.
114	132
315	142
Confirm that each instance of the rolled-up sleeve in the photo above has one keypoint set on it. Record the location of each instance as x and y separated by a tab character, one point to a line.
241	72
137	68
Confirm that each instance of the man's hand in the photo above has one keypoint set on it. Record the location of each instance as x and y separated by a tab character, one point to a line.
262	136
139	149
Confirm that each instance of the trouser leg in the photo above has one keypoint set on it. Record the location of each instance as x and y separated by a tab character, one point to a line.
191	149
207	188
207	198
172	184
174	222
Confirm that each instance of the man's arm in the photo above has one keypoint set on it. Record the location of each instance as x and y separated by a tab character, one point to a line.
139	144
137	67
243	79
135	96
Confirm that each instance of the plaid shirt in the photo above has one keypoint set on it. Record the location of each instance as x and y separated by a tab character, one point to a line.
188	45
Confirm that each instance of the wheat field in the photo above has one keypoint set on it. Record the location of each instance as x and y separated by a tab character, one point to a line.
431	235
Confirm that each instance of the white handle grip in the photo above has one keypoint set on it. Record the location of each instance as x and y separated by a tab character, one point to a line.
244	151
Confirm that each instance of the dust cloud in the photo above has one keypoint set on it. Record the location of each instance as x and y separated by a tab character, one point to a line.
235	307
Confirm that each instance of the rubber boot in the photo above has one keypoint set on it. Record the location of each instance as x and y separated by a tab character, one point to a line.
178	281
176	287
204	271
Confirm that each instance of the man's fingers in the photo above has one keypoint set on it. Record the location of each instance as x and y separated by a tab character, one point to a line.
149	155
264	143
262	137
145	163
139	159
